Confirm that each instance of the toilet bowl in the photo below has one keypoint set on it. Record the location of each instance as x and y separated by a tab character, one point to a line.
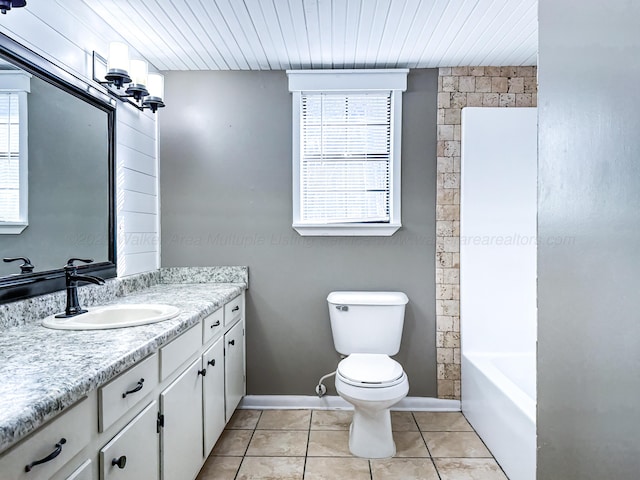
367	328
372	391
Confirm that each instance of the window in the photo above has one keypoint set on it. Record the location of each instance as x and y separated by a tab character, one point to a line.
346	151
13	151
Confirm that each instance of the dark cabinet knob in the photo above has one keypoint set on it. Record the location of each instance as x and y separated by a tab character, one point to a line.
217	324
202	372
232	342
119	462
236	308
212	362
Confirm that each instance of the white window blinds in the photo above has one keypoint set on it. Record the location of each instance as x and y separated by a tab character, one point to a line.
345	170
9	157
347	129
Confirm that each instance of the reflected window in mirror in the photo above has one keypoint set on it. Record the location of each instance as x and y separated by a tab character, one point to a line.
14	87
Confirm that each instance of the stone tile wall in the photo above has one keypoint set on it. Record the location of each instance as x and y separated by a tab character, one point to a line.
460	87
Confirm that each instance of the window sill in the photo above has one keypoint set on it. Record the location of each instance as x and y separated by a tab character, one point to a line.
12	228
347	230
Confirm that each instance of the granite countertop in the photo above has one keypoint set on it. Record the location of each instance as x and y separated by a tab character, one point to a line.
43	371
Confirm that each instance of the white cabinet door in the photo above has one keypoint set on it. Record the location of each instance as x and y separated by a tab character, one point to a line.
213	395
181	435
133	453
234	368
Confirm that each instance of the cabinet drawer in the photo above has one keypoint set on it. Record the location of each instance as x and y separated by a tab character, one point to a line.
233	311
125	391
83	472
133	453
71	426
212	325
179	351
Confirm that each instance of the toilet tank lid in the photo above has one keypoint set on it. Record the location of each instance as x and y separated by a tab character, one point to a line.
367	298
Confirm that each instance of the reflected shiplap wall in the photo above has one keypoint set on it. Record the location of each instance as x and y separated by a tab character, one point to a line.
57	34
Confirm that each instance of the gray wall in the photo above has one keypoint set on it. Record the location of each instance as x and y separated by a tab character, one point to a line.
589	190
68	182
225	140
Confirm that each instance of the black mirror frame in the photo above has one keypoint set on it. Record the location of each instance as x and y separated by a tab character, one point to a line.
18	287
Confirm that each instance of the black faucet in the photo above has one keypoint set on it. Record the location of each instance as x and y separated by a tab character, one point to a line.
72	278
26	267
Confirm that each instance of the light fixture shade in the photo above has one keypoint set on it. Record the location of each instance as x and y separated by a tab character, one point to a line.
139	71
118	60
156	93
156	85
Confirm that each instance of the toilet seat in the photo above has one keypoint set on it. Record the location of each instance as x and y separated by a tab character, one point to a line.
370	370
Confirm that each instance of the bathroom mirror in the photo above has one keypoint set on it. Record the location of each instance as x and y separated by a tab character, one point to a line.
69	176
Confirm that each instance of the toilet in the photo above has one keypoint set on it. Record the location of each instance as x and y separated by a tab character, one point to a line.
367	327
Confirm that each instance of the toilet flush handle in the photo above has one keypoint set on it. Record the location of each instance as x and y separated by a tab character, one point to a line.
342	308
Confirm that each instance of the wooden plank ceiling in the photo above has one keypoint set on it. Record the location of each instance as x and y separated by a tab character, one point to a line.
295	34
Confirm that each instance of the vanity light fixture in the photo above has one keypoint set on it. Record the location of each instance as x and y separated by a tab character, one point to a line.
6	5
118	72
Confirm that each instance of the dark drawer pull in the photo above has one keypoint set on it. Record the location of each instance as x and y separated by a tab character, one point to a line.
232	342
217	324
48	458
202	372
120	462
236	308
137	389
212	362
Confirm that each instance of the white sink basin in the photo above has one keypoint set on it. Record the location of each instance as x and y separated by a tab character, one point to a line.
113	316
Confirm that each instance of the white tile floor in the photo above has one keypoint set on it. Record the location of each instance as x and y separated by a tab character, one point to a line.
313	444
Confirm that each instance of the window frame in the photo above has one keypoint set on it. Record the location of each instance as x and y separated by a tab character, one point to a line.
18	82
349	81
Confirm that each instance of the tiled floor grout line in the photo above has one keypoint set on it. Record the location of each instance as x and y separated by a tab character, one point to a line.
253	431
485	445
435	467
306	452
431	456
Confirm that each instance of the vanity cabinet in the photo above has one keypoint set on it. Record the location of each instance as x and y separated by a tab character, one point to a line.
196	406
133	453
157	420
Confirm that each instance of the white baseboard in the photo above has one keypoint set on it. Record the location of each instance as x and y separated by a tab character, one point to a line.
334	402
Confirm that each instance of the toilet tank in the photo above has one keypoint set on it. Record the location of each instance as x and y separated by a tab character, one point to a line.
367	322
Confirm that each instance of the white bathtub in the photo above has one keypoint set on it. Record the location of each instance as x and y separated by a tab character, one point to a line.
498	399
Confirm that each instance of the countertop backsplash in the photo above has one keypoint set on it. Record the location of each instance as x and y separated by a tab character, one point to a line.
35	309
227	274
